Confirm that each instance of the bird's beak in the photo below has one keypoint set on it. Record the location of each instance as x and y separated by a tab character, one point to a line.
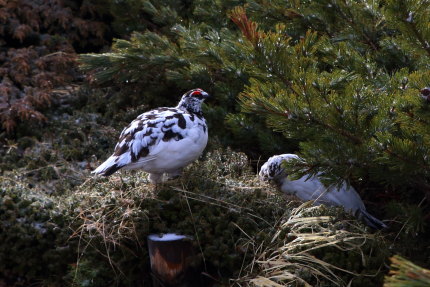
205	95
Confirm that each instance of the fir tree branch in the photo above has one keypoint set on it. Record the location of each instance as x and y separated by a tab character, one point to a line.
405	159
354	26
267	110
249	28
350	136
425	45
412	116
353	138
337	109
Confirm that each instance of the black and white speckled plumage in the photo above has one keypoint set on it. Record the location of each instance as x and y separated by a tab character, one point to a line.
311	188
273	169
162	140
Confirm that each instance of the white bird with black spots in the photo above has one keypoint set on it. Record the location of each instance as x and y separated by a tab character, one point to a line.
312	188
163	140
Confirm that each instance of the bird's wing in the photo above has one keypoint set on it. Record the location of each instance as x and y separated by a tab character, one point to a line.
145	138
138	141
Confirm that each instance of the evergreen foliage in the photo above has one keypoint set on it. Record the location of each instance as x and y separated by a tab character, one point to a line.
193	49
356	118
344	83
343	78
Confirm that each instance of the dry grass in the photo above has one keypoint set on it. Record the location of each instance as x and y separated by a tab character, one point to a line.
291	263
274	240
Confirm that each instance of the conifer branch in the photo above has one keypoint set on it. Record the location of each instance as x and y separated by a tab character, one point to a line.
288	84
353	138
413	117
249	28
354	25
425	45
405	159
268	110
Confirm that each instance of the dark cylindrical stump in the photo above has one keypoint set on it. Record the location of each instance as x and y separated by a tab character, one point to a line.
170	256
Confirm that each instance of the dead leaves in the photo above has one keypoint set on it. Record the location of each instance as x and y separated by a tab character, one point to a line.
41	57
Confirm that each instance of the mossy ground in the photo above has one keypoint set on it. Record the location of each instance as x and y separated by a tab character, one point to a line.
62	226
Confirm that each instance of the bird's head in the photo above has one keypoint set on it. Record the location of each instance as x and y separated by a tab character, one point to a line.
192	101
273	169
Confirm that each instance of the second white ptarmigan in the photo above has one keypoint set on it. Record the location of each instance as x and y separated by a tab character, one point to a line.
312	188
163	140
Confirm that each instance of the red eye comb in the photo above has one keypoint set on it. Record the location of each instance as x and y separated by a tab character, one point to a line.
196	92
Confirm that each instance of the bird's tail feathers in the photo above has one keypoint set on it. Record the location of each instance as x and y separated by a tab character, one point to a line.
108	167
371	220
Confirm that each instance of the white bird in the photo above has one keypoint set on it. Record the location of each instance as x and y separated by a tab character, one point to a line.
312	189
163	140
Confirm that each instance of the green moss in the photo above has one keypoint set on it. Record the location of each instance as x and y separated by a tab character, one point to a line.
209	202
96	233
218	201
34	231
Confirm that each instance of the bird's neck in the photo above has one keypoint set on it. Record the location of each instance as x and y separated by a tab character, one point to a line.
193	107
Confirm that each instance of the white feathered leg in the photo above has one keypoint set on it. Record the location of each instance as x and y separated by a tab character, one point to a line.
155	178
174	174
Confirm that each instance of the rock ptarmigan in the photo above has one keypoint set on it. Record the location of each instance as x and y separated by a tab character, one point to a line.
163	140
312	189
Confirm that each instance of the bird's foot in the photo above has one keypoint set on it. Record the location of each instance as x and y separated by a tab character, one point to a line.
172	177
155	178
174	174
